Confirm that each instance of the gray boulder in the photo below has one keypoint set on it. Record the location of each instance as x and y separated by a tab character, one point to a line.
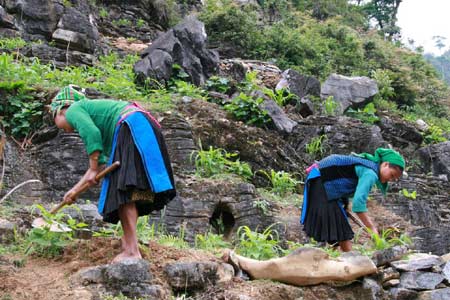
349	92
191	275
420	261
299	84
184	45
420	280
436	158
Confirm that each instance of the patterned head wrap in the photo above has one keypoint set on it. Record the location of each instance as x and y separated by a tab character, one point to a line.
65	97
385	155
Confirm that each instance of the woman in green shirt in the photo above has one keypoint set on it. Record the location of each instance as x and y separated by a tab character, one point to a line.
123	132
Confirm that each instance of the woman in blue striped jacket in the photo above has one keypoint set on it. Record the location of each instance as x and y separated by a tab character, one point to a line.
334	179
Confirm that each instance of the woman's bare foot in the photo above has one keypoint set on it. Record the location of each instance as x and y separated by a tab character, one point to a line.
126	255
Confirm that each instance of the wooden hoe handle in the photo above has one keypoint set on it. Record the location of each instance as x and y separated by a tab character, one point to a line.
85	186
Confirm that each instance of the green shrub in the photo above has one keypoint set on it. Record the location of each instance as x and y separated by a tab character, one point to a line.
211	242
330	106
282	182
246	108
367	114
281	96
20	113
218	161
434	135
217	84
315	147
232	25
411	195
42	241
257	245
12	43
184	88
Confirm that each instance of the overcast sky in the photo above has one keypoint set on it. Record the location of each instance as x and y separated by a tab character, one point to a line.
423	19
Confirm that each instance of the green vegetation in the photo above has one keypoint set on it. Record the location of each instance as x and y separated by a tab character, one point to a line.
263	205
103	13
11	43
411	195
315	147
342	42
211	242
246	108
282	182
25	82
218	161
367	114
281	96
330	106
42	241
257	245
217	84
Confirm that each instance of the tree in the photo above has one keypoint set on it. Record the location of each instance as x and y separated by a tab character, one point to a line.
439	40
384	12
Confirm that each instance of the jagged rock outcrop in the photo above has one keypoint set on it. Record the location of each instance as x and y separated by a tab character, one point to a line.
436	158
218	205
298	84
349	92
184	45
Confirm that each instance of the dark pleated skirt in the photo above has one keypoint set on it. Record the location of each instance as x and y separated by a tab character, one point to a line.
325	221
131	176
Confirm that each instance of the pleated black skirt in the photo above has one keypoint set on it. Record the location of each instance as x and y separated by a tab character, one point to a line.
325	220
131	179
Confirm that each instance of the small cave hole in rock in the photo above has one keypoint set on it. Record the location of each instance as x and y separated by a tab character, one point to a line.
222	220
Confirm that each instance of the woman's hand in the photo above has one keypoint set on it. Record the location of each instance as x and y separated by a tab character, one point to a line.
90	175
69	197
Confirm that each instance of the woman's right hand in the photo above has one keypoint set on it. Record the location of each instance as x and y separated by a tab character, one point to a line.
69	197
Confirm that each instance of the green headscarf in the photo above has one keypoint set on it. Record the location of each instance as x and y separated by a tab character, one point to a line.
385	155
65	97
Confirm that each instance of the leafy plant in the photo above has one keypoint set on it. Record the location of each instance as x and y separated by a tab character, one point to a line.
282	182
121	22
257	245
217	84
263	205
12	43
281	96
218	161
330	106
315	146
384	82
288	199
367	115
410	195
173	241
20	114
140	23
211	242
247	109
434	135
388	240
188	89
42	241
103	13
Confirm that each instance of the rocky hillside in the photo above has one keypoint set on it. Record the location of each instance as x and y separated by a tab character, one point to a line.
211	91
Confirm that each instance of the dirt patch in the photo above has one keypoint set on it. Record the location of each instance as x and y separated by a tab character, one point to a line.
49	279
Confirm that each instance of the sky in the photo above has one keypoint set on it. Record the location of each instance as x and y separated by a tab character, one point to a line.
420	20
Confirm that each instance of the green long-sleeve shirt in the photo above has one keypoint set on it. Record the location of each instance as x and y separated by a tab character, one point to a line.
95	121
366	180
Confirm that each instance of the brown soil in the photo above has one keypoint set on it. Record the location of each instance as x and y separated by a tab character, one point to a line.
49	279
